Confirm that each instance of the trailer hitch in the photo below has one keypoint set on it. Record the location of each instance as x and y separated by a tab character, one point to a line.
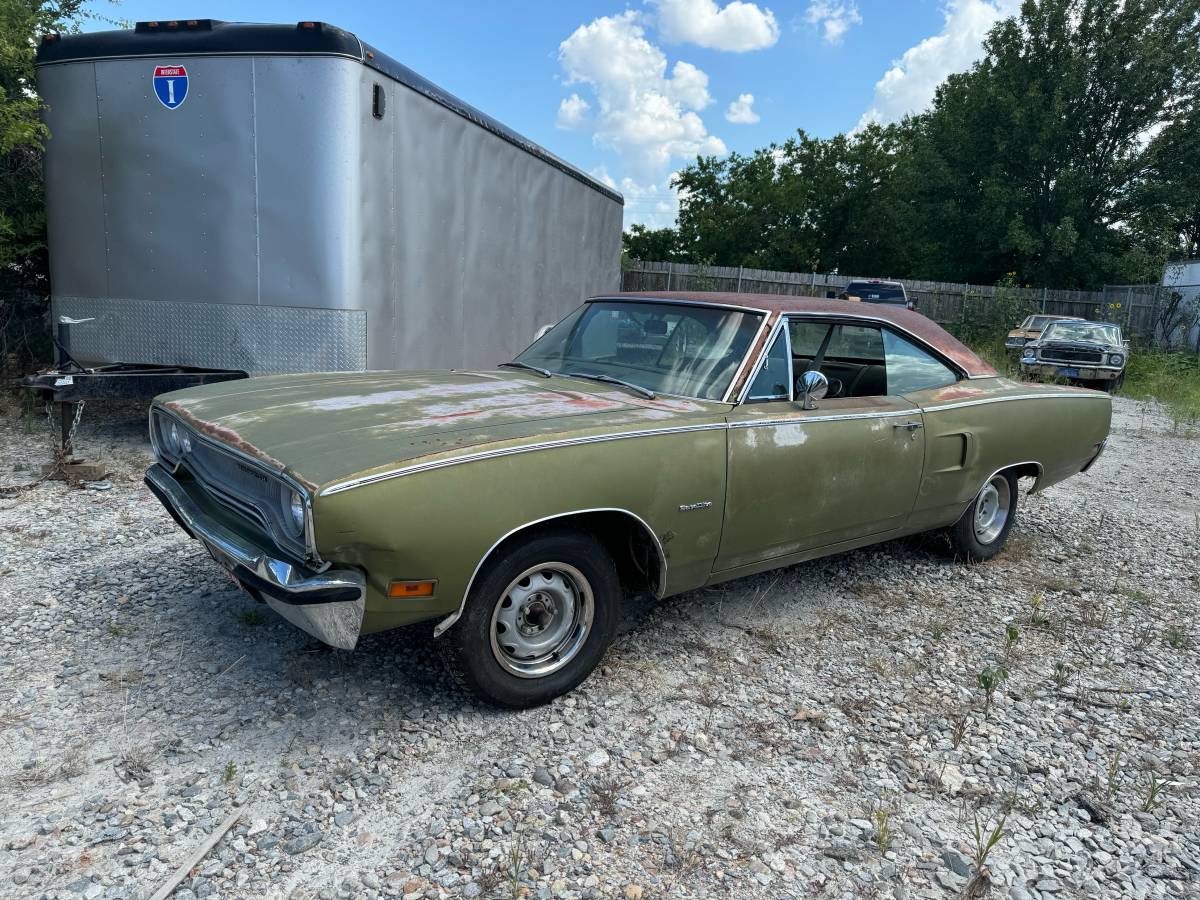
69	385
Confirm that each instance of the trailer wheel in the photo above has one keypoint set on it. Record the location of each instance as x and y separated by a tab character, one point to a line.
538	619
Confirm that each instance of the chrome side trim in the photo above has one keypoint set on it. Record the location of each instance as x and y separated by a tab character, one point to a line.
1089	395
509	451
836	417
443	625
338	487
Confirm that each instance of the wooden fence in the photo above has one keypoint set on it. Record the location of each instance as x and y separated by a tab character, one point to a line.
1135	307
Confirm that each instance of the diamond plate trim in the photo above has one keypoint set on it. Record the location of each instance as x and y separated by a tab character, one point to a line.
262	340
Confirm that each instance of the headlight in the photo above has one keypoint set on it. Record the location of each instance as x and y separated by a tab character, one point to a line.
185	441
1116	359
171	437
294	511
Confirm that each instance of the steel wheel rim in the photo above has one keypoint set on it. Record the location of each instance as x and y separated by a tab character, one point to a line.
542	620
992	508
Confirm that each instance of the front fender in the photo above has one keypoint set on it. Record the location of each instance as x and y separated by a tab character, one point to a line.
441	523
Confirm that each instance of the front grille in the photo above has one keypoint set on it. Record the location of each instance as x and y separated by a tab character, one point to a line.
254	493
241	487
239	482
1071	355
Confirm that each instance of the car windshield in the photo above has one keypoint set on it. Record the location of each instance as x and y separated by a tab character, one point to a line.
669	348
1092	332
871	292
1037	323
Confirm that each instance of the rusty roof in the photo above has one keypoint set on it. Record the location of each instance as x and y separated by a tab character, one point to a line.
908	320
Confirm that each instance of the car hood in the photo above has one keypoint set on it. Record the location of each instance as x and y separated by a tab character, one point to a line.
1080	345
326	427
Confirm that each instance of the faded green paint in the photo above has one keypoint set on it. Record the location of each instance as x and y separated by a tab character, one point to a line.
771	484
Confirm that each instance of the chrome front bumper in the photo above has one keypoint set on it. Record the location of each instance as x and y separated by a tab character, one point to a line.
329	605
1087	371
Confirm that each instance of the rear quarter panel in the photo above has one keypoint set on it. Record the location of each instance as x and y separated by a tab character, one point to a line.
973	429
440	523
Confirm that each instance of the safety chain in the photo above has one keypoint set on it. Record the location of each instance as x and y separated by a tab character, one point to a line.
59	452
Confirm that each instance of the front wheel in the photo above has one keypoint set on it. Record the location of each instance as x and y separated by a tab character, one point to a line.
538	619
983	529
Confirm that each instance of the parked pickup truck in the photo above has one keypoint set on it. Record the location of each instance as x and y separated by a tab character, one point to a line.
891	293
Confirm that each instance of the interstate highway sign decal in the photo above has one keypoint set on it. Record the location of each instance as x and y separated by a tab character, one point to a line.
170	85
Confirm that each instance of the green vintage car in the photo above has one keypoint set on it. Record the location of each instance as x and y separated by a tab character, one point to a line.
646	443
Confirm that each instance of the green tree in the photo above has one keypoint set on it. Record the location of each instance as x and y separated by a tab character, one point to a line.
657	244
810	204
1028	162
1069	155
1165	210
24	274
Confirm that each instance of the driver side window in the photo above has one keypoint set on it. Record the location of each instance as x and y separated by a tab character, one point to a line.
853	357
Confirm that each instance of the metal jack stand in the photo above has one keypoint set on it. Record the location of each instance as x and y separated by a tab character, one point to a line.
65	464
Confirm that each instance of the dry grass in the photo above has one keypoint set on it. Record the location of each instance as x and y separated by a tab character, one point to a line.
71	762
605	793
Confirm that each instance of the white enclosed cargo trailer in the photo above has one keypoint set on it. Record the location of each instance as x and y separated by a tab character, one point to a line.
277	198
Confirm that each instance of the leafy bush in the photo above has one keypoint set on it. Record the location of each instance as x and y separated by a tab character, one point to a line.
1173	379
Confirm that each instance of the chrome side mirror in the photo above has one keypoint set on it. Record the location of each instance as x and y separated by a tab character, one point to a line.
541	332
812	386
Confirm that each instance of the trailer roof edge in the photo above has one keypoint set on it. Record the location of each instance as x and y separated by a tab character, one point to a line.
208	37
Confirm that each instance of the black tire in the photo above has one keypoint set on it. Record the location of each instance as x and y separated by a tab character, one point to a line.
487	667
979	545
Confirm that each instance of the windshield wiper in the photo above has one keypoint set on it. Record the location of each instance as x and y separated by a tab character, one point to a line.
517	364
608	379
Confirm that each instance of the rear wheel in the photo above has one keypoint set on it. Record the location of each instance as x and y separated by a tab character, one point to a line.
538	619
983	529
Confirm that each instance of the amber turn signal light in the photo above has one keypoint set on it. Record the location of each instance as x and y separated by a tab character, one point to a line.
403	589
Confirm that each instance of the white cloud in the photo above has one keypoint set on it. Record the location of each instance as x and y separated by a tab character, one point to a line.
648	117
741	111
909	86
737	26
833	17
572	112
653	204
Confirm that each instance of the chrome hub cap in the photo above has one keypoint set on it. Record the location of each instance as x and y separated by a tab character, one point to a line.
992	509
542	620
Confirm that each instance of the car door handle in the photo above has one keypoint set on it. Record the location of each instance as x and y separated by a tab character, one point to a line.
911	426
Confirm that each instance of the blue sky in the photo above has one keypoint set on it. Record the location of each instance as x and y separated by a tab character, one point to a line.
633	91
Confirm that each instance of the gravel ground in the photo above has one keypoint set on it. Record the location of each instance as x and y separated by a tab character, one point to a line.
819	731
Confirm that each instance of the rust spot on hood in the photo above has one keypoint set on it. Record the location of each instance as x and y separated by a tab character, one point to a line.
232	439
